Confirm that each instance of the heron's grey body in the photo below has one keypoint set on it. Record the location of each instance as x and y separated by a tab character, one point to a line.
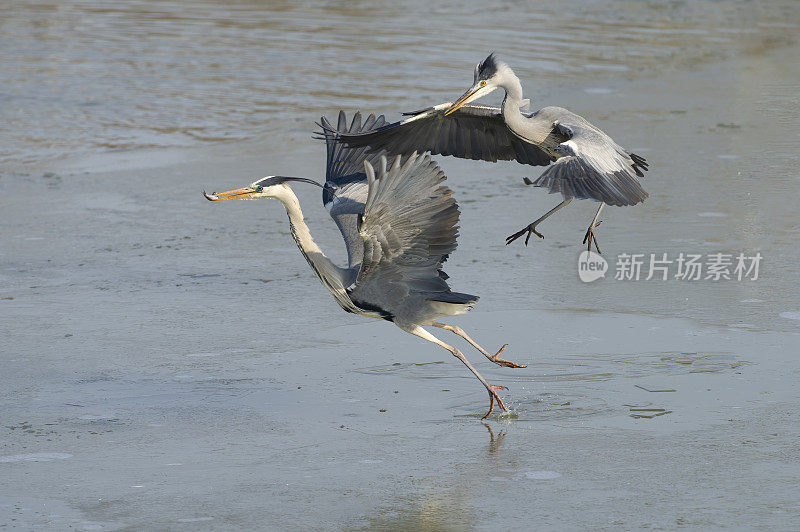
399	224
585	163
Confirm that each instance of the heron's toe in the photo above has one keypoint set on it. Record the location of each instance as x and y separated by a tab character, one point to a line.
494	397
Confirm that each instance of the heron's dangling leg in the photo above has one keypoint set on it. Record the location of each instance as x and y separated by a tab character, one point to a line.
590	236
425	335
494	358
531	228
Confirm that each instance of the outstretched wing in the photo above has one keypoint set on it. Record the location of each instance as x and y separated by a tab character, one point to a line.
346	183
592	165
409	226
346	164
471	132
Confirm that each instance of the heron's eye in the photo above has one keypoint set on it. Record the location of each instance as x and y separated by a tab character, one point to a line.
483	83
259	188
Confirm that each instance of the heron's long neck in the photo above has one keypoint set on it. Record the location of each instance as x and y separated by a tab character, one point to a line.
511	103
327	272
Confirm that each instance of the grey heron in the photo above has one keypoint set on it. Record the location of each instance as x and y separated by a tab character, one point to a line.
399	224
586	163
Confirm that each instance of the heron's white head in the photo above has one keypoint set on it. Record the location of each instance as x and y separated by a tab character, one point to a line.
490	75
273	186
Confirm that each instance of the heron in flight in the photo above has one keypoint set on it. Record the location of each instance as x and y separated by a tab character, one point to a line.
586	163
399	224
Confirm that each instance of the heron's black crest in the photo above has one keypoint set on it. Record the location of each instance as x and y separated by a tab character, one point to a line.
488	67
270	181
278	179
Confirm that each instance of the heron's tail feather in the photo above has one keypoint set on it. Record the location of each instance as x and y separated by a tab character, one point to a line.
639	164
452	303
454	297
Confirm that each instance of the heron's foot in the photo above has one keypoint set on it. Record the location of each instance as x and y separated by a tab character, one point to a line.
502	362
592	237
494	397
530	229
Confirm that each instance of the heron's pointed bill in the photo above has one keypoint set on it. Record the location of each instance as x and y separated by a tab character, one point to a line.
239	193
465	98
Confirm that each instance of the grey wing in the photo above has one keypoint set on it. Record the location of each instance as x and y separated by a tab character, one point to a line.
345	189
409	227
471	132
344	163
593	166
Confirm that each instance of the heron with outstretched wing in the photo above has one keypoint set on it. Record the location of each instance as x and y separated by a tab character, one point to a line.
583	162
399	224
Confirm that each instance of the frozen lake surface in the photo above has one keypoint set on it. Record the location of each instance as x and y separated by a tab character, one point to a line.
168	363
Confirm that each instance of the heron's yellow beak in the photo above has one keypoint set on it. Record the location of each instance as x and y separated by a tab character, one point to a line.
466	97
239	193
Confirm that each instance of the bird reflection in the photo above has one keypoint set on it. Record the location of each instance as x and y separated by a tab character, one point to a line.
494	441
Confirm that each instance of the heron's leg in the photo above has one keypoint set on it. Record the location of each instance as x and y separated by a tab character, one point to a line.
425	335
590	236
531	228
494	358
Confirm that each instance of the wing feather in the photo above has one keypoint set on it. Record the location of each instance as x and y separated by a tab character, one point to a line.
593	166
346	184
472	132
409	227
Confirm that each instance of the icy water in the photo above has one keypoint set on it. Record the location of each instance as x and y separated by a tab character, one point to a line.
168	363
87	77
